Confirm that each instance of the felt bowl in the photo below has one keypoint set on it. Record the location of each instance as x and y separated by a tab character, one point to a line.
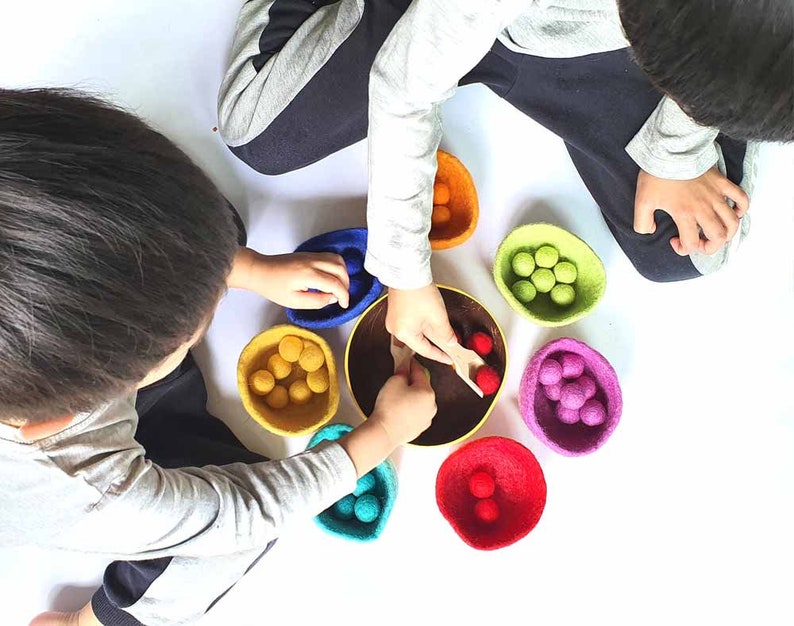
519	494
463	204
293	420
538	412
590	283
369	364
351	244
382	484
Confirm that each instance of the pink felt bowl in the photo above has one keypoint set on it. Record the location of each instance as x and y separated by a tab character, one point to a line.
519	492
538	411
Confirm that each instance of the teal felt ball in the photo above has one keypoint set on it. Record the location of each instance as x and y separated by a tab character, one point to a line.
367	509
562	294
524	291
365	483
523	264
547	256
543	279
344	508
565	272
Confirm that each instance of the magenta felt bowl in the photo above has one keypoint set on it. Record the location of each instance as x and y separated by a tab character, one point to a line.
539	412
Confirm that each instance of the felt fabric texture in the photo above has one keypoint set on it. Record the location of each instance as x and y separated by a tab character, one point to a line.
519	494
351	244
294	420
381	483
463	204
539	412
590	282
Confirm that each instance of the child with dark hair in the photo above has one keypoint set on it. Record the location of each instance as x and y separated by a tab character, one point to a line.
114	252
655	100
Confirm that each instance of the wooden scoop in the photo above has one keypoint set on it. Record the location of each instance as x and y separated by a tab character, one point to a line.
466	363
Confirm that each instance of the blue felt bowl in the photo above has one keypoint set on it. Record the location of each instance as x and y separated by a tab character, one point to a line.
351	244
339	519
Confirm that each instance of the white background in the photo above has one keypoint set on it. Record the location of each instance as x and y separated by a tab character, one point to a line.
683	517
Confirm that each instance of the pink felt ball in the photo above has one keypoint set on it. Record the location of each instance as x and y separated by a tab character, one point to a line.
572	365
481	485
550	372
553	391
588	386
566	415
593	413
572	396
486	510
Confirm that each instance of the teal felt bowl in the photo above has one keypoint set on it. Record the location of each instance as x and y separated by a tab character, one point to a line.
590	282
363	514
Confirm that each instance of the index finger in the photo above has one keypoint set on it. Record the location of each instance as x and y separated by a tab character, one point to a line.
330	284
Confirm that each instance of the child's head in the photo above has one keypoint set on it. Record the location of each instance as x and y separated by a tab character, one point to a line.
728	63
114	250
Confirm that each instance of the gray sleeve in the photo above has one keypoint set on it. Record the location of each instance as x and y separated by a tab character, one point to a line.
671	145
430	48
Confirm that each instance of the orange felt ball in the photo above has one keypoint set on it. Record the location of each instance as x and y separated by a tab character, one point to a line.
441	215
440	193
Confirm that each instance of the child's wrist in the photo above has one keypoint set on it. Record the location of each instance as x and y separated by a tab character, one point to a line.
240	277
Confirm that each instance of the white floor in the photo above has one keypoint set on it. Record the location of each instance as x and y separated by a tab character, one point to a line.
683	517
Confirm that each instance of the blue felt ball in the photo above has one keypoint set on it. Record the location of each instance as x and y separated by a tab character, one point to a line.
354	261
365	483
367	508
345	508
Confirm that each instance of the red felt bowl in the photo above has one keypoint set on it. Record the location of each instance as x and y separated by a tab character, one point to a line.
520	492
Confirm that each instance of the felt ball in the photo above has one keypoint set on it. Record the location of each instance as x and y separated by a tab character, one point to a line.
593	413
261	382
481	343
547	256
550	372
290	348
566	415
441	215
440	193
278	398
354	261
299	392
427	373
572	365
543	279
487	379
572	396
562	295
565	272
487	510
481	485
523	264
318	380
279	367
312	357
367	508
588	385
553	392
365	483
344	508
524	291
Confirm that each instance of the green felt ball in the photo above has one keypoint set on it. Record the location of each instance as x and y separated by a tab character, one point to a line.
345	507
565	272
547	256
523	264
367	509
524	291
562	294
365	483
543	279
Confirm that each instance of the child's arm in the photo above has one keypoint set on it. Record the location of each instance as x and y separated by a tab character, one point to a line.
677	158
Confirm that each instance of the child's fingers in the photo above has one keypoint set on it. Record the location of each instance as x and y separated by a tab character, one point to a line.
312	300
335	265
739	197
330	284
416	375
644	224
688	235
421	345
715	231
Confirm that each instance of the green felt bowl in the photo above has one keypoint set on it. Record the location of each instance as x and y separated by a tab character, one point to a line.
590	282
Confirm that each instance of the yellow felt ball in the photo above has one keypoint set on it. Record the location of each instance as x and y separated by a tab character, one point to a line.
279	367
441	215
299	392
261	382
278	398
290	348
440	193
318	380
312	358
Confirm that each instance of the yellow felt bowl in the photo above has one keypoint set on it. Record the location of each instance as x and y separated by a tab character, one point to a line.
463	204
590	283
293	420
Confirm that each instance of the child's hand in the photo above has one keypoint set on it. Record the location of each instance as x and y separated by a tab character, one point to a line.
698	205
287	278
417	316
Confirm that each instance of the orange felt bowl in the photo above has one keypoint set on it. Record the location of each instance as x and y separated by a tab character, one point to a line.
463	204
293	420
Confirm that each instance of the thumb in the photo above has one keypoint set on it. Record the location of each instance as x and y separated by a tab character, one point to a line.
644	223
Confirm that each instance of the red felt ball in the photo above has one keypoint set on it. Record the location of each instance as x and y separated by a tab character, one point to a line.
487	379
481	343
481	485
487	510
